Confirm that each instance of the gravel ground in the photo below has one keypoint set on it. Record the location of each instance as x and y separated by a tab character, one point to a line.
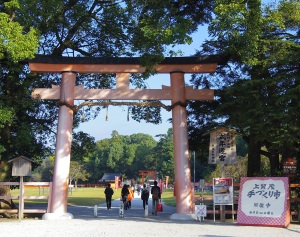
134	222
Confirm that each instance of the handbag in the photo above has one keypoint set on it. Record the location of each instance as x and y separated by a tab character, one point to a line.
160	207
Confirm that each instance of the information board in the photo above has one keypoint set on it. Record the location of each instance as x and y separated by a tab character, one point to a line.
223	191
264	201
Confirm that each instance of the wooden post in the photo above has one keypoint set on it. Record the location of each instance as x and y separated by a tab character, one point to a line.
184	200
61	170
21	199
298	212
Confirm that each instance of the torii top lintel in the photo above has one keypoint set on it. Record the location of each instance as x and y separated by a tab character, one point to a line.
55	64
123	67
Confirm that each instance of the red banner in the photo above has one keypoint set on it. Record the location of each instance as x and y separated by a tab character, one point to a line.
117	182
167	181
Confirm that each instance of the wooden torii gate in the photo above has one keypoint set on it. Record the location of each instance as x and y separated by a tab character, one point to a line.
68	92
147	172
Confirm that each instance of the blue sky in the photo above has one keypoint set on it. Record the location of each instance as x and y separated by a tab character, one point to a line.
100	129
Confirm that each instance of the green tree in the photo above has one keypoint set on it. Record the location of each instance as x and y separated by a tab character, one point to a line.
78	28
256	92
77	171
235	171
164	154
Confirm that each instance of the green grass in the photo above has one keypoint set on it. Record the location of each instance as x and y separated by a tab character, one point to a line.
170	200
168	197
81	197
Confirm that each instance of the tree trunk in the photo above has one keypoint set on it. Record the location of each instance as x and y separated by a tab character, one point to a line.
5	169
274	162
254	157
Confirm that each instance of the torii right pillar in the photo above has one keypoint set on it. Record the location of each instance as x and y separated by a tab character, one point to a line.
183	186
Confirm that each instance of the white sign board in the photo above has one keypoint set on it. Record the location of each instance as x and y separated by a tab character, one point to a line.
200	210
263	198
264	201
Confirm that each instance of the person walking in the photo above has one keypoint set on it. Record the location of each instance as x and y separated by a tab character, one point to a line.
124	193
108	193
130	197
145	196
155	191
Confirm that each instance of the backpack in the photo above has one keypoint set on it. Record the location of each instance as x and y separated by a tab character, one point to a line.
145	194
155	193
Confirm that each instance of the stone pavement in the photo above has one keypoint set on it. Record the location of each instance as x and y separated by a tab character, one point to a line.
134	223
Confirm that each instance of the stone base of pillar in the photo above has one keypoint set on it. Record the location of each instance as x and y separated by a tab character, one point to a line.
183	217
57	216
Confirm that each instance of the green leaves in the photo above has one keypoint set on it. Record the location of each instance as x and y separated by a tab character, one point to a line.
16	45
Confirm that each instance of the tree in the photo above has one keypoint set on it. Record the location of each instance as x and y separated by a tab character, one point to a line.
164	155
77	171
78	28
235	171
256	90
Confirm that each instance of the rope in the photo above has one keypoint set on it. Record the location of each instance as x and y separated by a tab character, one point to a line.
105	104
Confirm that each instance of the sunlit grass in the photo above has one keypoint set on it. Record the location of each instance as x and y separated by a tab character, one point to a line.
168	197
170	200
81	197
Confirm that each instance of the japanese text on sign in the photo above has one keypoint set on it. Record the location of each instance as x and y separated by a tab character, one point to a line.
222	147
263	198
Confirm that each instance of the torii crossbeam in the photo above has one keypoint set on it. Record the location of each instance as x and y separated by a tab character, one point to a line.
67	93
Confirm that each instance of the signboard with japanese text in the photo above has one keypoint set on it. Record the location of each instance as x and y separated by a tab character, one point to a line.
223	191
264	201
222	148
200	211
290	167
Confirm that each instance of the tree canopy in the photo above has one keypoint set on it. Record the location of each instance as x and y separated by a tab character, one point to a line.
257	92
78	28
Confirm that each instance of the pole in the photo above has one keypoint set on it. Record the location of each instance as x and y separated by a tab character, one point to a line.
95	211
21	198
184	201
194	166
222	207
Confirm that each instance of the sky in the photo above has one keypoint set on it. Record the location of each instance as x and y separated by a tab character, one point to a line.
100	129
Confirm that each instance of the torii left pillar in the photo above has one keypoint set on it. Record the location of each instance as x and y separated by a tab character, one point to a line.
59	194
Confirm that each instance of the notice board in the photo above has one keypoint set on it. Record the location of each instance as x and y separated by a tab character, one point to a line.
264	201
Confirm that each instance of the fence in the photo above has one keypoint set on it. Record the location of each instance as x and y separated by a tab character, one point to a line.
22	197
293	213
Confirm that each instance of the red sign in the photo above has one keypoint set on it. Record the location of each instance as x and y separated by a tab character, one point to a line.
223	181
117	182
290	167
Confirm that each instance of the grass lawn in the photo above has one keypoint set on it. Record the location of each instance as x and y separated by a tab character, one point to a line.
168	197
81	197
170	200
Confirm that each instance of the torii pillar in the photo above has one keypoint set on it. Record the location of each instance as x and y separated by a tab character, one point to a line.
177	93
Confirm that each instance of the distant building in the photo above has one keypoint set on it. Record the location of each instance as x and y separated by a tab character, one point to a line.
109	178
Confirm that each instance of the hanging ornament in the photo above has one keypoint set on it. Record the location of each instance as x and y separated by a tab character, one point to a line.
83	118
147	115
107	113
128	114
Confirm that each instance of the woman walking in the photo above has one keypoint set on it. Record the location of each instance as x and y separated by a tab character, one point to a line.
124	194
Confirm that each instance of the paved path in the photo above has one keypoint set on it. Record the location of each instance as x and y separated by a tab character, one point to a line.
134	223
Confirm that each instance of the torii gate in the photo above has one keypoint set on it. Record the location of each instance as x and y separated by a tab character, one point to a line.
68	92
147	172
